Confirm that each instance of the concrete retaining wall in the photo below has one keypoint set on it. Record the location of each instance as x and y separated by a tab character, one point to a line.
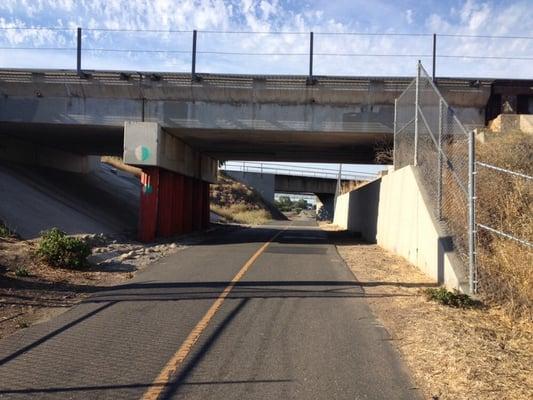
392	212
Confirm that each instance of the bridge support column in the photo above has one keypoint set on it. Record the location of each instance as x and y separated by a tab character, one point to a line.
325	206
148	204
171	204
174	181
177	209
166	197
197	205
206	210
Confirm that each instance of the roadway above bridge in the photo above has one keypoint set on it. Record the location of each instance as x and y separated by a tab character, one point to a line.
226	117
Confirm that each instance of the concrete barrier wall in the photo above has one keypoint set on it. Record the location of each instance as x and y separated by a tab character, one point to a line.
392	212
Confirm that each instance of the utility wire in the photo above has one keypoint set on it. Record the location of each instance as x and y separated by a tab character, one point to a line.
230	53
255	32
484	57
485	36
137	30
269	32
371	34
37	28
139	51
38	48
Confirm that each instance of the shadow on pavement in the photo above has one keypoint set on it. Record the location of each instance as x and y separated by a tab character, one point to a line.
53	334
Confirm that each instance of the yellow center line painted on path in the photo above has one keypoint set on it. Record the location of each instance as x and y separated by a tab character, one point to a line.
159	384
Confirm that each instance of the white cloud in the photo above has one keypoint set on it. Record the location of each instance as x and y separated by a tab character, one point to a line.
471	17
409	16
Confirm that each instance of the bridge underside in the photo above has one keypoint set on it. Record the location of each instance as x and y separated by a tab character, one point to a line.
271	145
220	144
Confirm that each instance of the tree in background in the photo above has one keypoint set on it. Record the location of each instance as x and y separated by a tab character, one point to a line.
284	203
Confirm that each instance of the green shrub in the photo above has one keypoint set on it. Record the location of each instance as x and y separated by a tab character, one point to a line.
22	272
60	250
23	324
5	232
452	299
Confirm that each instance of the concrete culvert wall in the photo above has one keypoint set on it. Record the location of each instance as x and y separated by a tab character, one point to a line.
36	198
392	212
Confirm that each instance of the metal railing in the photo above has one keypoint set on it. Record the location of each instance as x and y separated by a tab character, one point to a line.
306	171
192	43
428	135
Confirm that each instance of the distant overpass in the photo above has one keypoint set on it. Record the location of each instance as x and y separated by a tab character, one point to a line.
271	178
268	179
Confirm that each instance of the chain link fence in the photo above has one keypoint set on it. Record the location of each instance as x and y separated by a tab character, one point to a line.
428	134
504	221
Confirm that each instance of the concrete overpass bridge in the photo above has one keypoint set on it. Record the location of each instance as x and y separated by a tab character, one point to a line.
270	178
227	117
177	128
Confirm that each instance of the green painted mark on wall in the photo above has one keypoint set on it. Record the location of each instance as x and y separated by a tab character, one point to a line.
142	153
147	188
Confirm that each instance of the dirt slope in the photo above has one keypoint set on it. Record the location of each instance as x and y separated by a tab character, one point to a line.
240	203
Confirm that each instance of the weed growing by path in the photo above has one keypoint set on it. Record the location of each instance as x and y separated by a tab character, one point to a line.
23	324
451	298
60	250
5	232
22	272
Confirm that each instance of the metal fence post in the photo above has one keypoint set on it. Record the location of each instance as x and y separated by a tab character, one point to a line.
472	273
193	67
78	52
439	165
310	55
417	85
310	79
338	189
394	143
434	55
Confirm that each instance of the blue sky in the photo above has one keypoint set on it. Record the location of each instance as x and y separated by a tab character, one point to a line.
470	17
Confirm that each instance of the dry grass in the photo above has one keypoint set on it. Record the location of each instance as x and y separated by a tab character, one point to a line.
237	202
454	354
348	186
239	213
327	226
506	203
